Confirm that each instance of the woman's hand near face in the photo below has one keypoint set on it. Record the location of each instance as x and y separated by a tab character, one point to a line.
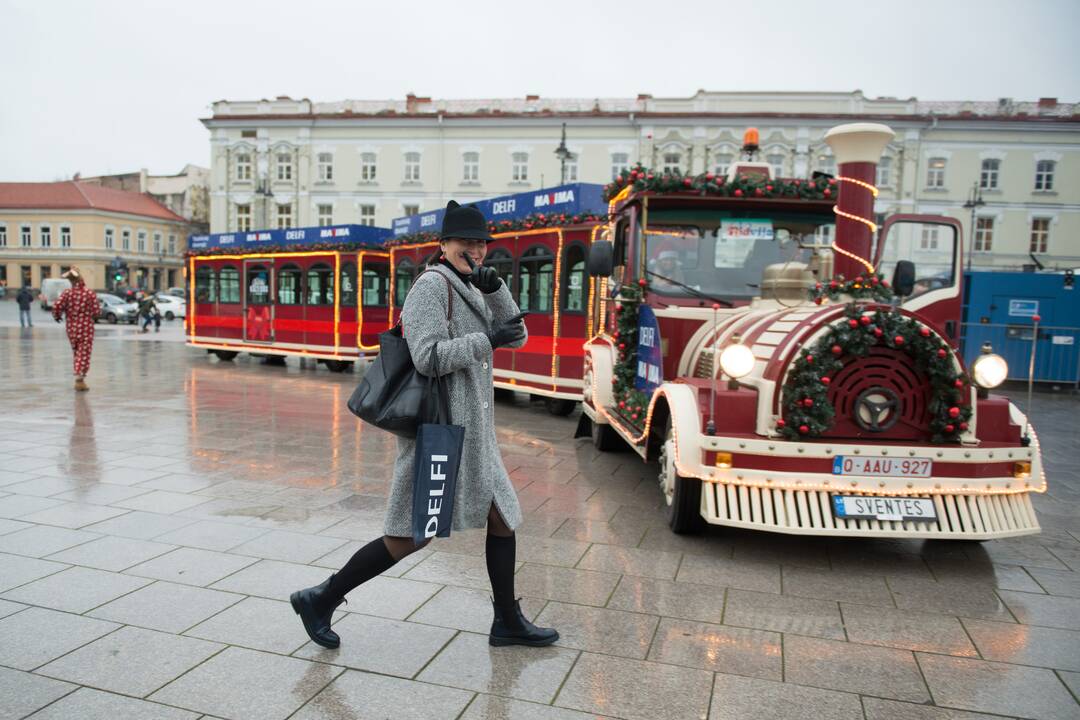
483	277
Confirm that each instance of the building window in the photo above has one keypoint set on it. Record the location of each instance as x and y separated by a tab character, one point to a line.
326	167
776	165
884	172
172	244
243	166
935	173
141	247
229	285
672	162
723	164
325	215
1040	234
470	167
412	167
984	234
367	215
411	210
243	218
1044	175
157	243
125	239
988	175
45	236
284	215
519	167
65	236
284	166
826	164
929	238
3	239
620	162
571	171
24	236
367	167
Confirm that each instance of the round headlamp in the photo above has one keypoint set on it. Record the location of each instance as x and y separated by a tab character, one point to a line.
989	369
736	360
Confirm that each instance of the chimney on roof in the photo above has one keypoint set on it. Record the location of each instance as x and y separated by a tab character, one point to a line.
76	176
644	96
532	98
1047	103
410	103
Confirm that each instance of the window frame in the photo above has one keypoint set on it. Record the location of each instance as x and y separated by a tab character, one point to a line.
319	215
327	292
244	219
243	164
45	236
344	275
883	172
367	215
519	167
404	269
369	167
65	236
280	216
254	268
26	236
412	161
234	274
935	174
325	163
283	170
290	269
983	241
564	282
989	173
1043	233
209	285
529	257
498	258
381	270
619	166
671	162
470	167
1044	177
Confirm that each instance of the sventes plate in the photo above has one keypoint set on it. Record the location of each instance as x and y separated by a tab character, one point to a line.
884	508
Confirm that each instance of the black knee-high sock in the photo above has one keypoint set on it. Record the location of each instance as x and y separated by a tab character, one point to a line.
366	563
500	554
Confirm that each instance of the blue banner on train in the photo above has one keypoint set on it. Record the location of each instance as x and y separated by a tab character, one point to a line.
248	241
570	199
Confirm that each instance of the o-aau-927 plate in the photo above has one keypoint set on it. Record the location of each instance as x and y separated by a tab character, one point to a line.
912	467
884	508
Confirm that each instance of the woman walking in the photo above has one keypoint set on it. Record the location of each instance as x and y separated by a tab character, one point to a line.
465	311
80	304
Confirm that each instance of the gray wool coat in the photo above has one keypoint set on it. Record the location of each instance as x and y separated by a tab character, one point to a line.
465	358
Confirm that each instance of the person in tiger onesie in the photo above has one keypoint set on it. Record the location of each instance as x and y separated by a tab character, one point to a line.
80	304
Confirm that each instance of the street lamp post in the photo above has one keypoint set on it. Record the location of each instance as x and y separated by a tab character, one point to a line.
974	202
564	154
267	195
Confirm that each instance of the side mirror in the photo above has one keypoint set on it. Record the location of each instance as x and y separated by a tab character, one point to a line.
601	261
903	279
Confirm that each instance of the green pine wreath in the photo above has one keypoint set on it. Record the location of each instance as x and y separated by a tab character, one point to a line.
643	179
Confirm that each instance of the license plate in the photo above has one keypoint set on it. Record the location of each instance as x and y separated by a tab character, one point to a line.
884	508
882	467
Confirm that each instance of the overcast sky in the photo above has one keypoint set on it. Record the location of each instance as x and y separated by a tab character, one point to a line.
100	86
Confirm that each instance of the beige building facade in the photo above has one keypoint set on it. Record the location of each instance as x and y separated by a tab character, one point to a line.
289	163
47	227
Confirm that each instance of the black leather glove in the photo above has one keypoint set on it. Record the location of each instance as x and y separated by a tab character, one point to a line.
509	332
484	277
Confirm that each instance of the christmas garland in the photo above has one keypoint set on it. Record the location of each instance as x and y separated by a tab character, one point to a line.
530	222
313	247
807	412
643	179
868	286
630	403
419	238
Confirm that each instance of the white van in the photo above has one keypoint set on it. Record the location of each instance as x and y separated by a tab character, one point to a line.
51	288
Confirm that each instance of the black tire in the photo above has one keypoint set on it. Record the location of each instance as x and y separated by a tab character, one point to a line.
604	438
111	317
504	394
169	316
560	408
683	506
226	355
338	366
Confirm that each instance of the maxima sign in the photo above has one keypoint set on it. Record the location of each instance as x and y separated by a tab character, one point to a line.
569	199
256	239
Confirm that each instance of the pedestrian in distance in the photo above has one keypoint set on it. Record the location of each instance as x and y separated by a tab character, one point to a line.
79	305
149	312
465	311
25	298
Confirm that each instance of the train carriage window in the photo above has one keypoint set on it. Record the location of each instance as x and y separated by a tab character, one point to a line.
289	281
535	279
573	281
258	285
503	262
376	289
403	277
320	285
205	290
348	284
229	285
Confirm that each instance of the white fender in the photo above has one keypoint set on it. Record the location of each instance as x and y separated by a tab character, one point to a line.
686	422
597	388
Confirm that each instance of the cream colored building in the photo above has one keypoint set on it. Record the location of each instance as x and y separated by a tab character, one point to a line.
285	162
47	227
187	193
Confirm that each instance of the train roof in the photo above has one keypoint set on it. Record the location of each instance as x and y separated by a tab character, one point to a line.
336	237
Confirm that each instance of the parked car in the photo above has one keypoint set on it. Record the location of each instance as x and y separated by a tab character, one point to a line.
177	292
170	306
51	288
113	309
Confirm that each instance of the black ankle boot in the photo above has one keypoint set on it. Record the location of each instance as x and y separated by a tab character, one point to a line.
316	609
510	627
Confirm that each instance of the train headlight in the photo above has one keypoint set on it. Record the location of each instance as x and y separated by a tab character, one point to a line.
736	360
989	370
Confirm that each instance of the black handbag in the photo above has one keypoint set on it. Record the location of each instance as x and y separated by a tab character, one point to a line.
393	395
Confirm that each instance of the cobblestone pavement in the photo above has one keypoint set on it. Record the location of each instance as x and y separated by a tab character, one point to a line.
152	529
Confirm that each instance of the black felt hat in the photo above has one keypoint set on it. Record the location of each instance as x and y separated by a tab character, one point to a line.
465	222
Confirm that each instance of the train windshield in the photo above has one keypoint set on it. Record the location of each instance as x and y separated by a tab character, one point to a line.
722	254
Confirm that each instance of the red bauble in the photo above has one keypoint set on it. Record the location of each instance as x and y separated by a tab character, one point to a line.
622	404
963	426
650	176
832	181
809	359
853	323
758	192
817	301
619	180
618	306
803	429
827	192
738	193
954	412
826	380
768	188
633	416
622	346
818	286
688	182
865	319
884	283
837	350
878	332
941	353
808	402
859	279
1035	318
959	384
642	282
780	423
875	282
899	339
812	185
833	284
709	177
637	409
925	332
949	428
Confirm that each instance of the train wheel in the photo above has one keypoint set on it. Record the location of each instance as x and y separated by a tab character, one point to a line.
278	360
504	394
682	496
338	365
604	437
559	407
226	355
